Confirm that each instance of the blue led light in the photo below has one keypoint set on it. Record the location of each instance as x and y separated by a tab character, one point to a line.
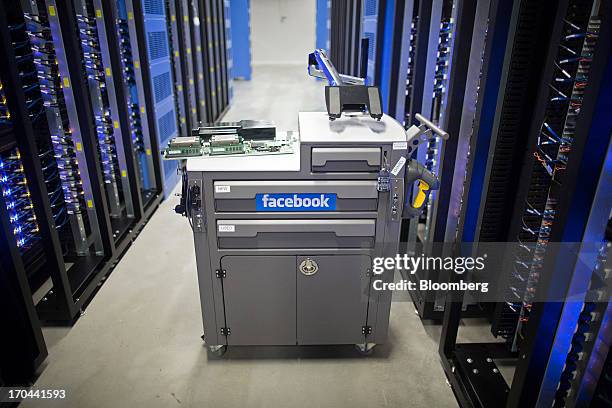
18	203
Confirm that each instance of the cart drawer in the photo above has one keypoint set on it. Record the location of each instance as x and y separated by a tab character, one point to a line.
344	233
345	159
243	196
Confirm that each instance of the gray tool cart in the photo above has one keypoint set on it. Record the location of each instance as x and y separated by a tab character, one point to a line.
286	224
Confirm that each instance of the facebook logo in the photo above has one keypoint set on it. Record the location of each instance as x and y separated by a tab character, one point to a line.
295	202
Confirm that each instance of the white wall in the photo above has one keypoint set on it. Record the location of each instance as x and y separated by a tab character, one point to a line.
282	31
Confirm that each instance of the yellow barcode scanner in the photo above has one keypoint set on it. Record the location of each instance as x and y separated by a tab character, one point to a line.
415	171
427	183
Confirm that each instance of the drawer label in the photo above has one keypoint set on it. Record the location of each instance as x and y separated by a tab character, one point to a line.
222	189
227	228
296	202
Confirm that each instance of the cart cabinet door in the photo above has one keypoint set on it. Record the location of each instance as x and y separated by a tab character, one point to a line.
259	295
332	295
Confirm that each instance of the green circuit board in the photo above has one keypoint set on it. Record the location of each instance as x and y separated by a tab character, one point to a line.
227	145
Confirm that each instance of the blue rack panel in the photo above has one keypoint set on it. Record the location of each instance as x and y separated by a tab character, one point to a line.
240	44
323	24
160	68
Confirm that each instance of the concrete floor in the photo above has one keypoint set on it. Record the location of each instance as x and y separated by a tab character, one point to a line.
138	344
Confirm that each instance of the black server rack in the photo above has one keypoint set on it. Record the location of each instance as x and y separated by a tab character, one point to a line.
23	350
406	22
584	375
48	57
225	43
432	79
372	34
185	17
345	36
124	55
201	43
114	147
567	78
174	15
229	59
550	134
197	43
216	58
436	46
200	63
82	148
210	58
412	64
429	68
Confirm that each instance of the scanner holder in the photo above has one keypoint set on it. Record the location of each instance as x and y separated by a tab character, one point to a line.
344	93
415	171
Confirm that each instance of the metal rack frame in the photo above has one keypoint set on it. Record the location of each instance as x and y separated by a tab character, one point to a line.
470	367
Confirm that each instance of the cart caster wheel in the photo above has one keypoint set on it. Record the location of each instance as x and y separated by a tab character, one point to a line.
365	349
217	350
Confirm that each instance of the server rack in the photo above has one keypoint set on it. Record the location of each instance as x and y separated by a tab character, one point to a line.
438	66
402	65
448	94
580	374
211	58
46	50
225	55
548	151
197	41
473	139
563	50
115	153
21	352
372	27
132	48
179	67
76	196
123	58
436	25
164	121
185	10
229	51
412	64
346	35
215	58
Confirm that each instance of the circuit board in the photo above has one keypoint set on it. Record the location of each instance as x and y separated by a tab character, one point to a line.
228	145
